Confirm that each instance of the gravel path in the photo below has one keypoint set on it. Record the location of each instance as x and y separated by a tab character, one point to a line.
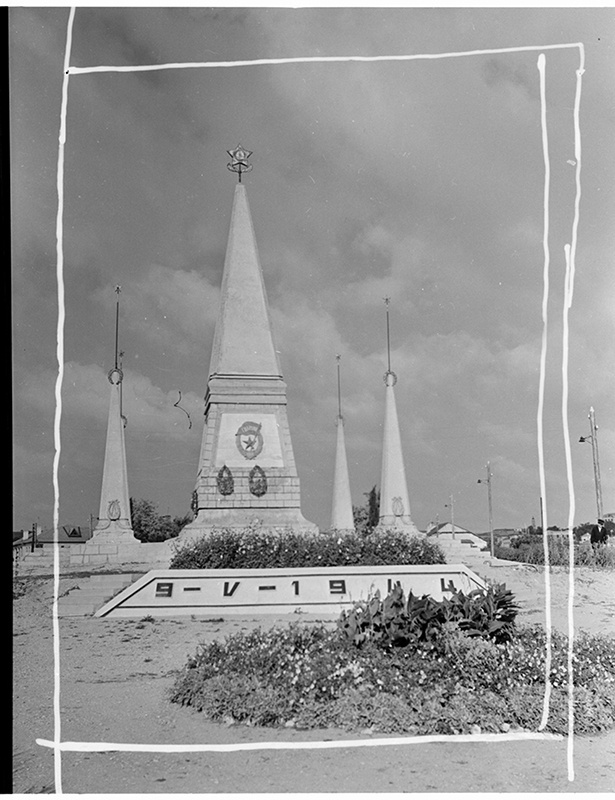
115	675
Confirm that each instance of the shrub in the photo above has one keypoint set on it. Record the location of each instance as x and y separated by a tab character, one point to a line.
255	549
532	552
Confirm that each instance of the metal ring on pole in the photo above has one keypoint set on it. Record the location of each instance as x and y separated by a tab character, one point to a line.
386	378
112	373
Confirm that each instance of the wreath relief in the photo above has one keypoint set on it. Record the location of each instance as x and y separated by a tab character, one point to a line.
257	482
226	484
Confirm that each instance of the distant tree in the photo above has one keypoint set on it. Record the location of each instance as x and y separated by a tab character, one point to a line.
586	527
150	526
366	517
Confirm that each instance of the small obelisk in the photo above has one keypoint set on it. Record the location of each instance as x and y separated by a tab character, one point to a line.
342	518
114	523
247	478
394	502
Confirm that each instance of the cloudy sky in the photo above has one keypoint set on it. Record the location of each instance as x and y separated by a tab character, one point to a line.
419	180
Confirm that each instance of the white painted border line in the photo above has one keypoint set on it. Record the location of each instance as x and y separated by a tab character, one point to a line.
57	720
257	62
570	254
105	747
541	384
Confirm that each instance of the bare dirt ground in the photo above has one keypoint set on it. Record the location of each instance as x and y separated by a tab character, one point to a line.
115	675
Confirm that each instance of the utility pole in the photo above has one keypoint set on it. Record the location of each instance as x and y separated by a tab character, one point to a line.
593	438
451	505
488	482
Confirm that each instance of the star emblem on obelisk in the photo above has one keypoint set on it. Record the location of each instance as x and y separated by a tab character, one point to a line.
239	160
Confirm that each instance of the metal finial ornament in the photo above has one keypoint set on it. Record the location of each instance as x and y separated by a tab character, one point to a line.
239	160
389	372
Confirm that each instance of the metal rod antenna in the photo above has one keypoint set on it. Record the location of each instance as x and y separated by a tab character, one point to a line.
118	289
124	419
387	301
339	388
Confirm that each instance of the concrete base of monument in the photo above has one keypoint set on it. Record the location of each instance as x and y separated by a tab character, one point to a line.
119	546
324	590
277	520
393	523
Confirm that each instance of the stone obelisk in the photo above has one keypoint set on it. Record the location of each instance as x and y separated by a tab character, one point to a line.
394	501
247	477
342	518
114	514
113	540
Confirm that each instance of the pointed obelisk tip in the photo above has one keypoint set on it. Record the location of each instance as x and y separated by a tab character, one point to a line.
239	160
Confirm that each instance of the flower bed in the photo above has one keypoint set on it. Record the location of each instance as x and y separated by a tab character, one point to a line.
249	549
445	682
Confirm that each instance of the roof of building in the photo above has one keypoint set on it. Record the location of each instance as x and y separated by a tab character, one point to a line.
446	527
67	534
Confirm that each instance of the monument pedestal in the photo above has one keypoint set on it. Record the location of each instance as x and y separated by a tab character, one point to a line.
270	520
407	527
118	545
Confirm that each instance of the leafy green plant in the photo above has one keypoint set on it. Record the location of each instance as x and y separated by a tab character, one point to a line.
396	622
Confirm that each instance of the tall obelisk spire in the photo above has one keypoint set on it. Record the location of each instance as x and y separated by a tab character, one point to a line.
114	514
394	502
247	475
341	515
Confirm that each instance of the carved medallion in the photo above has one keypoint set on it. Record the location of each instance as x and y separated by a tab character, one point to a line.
257	482
113	510
398	507
226	484
249	439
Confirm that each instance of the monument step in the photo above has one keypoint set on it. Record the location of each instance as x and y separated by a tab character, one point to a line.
83	610
94	593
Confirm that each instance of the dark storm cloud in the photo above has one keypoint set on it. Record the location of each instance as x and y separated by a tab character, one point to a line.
420	181
498	71
125	43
